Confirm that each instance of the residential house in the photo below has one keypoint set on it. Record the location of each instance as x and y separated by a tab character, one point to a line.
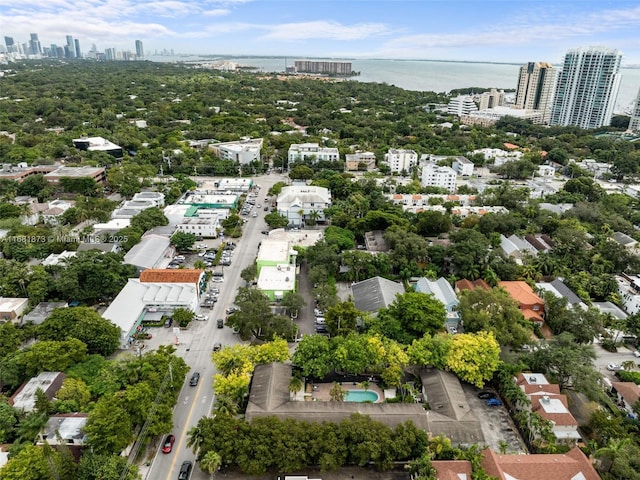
156	197
64	429
530	304
627	395
540	242
452	469
497	155
420	202
42	311
400	160
300	152
573	465
102	246
25	397
441	290
516	247
58	258
626	241
360	161
52	216
301	204
560	290
375	293
374	241
465	284
11	309
547	401
140	302
546	171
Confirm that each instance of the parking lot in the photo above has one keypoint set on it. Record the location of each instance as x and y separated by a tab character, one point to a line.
495	422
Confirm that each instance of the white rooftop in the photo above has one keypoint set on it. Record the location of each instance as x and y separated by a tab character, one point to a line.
552	405
274	251
280	278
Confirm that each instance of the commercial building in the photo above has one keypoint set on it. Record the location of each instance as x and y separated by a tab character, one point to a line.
360	161
214	200
400	160
241	151
182	275
12	308
274	252
302	203
300	152
331	68
97	173
536	85
275	281
156	197
152	252
436	176
634	124
461	105
629	291
148	301
587	88
98	144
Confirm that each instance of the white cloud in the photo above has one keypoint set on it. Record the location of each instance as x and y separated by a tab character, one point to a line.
324	30
217	12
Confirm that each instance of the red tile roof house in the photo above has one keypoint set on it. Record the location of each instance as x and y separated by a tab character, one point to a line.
573	465
628	394
547	401
530	304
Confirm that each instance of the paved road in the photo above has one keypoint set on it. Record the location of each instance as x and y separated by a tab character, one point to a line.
196	346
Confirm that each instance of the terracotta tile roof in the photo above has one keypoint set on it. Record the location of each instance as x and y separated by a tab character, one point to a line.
558	418
163	275
532	315
453	198
521	292
470	285
397	196
532	389
452	469
627	390
569	466
416	197
511	146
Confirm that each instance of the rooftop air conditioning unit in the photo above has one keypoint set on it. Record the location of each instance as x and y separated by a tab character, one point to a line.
532	379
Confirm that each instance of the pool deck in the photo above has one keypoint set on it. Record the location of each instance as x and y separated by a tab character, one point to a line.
320	392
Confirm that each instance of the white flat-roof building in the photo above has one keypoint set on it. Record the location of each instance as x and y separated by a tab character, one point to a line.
490	116
463	166
58	258
25	397
236	185
409	201
461	105
98	144
156	197
275	281
299	152
151	252
302	203
205	227
112	225
12	308
241	151
499	156
400	160
435	176
128	309
546	171
629	290
64	429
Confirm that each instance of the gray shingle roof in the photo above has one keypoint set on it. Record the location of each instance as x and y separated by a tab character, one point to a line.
375	293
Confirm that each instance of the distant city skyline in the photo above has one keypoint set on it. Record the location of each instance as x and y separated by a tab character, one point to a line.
462	30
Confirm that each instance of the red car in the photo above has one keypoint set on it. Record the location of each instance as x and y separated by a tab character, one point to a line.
168	444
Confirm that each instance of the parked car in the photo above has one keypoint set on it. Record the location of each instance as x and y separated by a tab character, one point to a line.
168	444
614	367
195	378
266	208
231	310
321	328
265	232
255	214
220	323
494	402
179	258
486	394
185	470
637	353
321	321
168	322
217	346
201	318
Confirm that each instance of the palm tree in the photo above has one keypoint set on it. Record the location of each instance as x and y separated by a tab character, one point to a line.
211	462
195	439
225	406
610	452
295	385
628	365
336	393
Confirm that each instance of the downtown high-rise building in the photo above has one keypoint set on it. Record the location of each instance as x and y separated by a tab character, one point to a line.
70	47
587	88
536	84
76	44
139	49
634	124
34	44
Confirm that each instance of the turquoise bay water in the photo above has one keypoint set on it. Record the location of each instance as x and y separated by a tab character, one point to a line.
360	396
429	75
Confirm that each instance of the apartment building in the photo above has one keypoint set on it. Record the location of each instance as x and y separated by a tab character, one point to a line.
400	160
360	161
461	105
435	176
299	152
536	85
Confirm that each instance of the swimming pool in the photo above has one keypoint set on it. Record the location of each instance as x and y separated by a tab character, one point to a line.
361	396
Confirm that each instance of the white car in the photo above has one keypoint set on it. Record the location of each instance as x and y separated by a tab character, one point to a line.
201	318
614	367
636	354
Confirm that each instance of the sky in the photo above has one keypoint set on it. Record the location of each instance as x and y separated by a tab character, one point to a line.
511	31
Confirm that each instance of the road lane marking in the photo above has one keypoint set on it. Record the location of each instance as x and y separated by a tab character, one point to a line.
183	434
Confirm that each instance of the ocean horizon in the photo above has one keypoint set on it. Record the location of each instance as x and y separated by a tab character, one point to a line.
439	76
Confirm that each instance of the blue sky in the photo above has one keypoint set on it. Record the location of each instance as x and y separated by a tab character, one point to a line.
500	31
